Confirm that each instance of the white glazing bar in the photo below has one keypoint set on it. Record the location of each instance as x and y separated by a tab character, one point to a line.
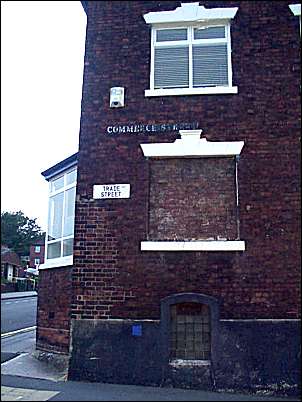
190	37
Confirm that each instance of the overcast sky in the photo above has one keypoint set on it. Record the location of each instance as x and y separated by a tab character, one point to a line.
42	49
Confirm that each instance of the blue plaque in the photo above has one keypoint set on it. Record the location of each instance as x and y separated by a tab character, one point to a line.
136	330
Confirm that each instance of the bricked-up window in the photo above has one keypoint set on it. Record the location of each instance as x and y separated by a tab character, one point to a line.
190	332
61	212
192	199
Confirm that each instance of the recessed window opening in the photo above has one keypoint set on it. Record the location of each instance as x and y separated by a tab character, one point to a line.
190	332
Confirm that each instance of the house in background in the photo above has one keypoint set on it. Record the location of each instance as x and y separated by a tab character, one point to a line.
10	264
25	261
173	244
36	254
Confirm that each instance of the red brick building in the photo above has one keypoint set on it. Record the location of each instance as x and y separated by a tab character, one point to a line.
36	254
10	264
185	267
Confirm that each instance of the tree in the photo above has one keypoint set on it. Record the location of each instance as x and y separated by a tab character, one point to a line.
18	231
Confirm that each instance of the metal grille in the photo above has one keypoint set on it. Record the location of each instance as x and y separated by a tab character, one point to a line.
190	332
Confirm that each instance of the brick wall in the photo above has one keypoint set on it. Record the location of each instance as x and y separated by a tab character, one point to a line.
53	317
33	255
111	276
192	199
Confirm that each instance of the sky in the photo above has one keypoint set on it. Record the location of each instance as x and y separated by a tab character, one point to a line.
42	59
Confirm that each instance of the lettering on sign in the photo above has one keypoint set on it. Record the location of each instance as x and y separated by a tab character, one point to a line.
105	191
138	128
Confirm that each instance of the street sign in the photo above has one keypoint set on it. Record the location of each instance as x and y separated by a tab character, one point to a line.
105	191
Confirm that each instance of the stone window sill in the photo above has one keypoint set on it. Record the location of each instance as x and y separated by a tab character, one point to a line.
57	262
189	363
206	245
191	91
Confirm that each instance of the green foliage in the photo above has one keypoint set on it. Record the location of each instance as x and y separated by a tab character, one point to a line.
18	232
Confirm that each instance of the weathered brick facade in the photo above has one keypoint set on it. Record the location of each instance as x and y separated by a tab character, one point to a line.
265	114
112	278
53	319
192	199
33	254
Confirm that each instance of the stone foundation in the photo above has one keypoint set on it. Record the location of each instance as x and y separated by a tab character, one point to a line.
253	356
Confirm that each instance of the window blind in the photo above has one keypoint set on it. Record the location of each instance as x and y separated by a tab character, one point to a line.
210	65
171	67
209	33
163	35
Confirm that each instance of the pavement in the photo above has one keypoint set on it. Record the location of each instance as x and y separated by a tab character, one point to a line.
13	295
28	377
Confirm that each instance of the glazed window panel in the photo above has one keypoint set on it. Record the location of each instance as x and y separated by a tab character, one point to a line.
67	247
69	212
190	332
210	65
55	216
54	250
171	68
165	35
61	213
192	57
71	177
57	184
215	32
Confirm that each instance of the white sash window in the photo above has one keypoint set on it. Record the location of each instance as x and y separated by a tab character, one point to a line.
190	57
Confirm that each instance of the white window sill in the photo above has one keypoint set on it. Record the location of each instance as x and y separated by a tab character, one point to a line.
57	262
191	91
203	245
186	363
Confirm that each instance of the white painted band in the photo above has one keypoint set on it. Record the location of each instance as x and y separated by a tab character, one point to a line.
18	331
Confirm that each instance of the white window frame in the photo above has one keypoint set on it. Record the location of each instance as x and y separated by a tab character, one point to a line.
191	15
228	89
37	249
66	260
37	263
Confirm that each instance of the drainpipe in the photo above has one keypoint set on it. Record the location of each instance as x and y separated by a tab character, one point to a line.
237	197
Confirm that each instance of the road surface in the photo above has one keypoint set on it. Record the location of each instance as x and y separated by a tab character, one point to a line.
12	346
18	313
